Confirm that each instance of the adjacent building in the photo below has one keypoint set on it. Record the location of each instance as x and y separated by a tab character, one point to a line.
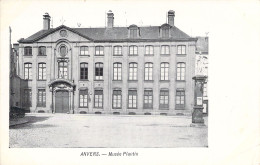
201	66
110	70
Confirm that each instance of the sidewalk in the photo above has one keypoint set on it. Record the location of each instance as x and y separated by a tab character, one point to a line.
18	121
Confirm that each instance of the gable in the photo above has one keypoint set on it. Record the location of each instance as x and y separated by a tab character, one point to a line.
64	33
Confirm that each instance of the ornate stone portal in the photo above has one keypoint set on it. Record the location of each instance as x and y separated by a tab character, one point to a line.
58	85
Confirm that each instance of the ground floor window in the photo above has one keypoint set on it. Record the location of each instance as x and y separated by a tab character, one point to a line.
83	98
98	98
27	98
148	99
117	99
41	98
132	99
164	99
180	99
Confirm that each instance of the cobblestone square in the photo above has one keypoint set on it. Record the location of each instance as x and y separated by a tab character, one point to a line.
119	131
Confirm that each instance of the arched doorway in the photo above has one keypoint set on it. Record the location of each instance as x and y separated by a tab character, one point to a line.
62	96
62	101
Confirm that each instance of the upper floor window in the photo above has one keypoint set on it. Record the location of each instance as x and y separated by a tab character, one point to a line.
84	50
99	71
83	71
42	51
117	50
28	71
165	49
164	71
99	51
180	71
132	71
181	49
42	71
148	71
28	51
63	50
63	70
133	50
117	71
149	50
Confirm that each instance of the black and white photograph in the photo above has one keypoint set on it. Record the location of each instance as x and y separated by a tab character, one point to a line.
115	78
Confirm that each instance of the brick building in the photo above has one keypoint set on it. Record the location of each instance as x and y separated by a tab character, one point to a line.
111	70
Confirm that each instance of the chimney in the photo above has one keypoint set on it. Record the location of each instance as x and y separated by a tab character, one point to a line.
46	21
171	15
110	19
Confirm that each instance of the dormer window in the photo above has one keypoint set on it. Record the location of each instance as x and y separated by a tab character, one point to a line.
165	31
133	31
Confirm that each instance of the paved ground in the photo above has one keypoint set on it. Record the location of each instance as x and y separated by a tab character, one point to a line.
66	130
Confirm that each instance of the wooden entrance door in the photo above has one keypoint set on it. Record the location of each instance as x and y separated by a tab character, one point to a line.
62	102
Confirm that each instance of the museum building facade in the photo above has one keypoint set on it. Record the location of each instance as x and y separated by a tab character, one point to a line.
110	70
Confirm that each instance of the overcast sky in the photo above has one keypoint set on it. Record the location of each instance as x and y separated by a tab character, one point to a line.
26	17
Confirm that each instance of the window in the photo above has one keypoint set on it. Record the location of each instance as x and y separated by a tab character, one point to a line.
63	70
181	71
83	71
63	51
42	51
117	97
118	50
181	49
133	50
84	50
180	99
205	92
99	51
28	71
165	33
41	71
132	71
99	71
28	51
164	99
165	49
98	98
148	71
149	50
132	99
148	99
133	32
27	98
117	71
41	98
165	71
83	98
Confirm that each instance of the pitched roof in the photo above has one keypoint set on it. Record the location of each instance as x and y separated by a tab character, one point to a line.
113	34
202	45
